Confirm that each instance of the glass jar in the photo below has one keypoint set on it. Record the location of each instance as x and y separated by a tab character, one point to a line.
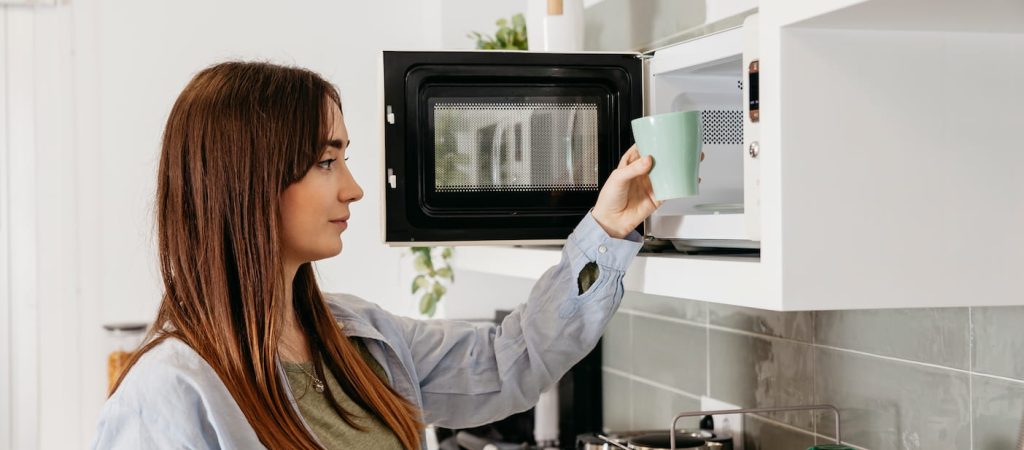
123	340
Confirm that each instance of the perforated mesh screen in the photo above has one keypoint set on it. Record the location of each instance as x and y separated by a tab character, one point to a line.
722	126
515	146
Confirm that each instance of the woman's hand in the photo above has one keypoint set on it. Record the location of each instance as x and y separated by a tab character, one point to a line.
627	197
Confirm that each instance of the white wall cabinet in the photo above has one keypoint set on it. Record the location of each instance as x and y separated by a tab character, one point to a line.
890	171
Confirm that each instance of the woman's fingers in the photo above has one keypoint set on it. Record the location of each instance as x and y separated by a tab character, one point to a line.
648	190
631	155
641	166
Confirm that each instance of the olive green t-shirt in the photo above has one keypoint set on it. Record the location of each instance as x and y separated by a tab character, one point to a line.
327	424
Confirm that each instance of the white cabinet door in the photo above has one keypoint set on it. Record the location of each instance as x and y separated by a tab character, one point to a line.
891	153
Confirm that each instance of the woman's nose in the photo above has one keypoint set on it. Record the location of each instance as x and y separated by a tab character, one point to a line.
351	191
359	192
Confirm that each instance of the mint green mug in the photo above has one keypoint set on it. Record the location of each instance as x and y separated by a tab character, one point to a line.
674	140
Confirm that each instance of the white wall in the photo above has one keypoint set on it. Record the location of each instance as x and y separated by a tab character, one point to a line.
477	295
5	279
460	17
38	175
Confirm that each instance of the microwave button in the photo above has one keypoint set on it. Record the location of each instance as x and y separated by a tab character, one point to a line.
753	75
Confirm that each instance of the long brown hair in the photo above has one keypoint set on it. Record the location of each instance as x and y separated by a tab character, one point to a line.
237	136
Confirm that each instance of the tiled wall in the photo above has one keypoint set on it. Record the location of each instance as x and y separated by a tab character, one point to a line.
903	379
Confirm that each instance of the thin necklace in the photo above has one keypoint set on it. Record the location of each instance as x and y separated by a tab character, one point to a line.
318	385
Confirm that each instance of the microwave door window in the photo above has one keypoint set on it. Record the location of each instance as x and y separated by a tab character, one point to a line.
515	146
564	149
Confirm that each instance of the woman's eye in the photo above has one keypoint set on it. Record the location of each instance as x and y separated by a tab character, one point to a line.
327	163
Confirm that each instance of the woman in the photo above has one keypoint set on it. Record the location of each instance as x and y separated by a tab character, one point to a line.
247	352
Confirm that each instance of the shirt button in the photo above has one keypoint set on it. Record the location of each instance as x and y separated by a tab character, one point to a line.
602	249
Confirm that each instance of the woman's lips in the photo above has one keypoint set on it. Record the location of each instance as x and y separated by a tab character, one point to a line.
342	223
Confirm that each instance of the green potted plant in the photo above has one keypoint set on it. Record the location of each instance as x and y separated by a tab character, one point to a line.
511	35
431	276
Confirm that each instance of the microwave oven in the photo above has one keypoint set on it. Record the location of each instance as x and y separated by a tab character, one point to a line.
508	147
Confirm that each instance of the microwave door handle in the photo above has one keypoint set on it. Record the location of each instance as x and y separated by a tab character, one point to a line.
569	163
646	86
499	129
646	83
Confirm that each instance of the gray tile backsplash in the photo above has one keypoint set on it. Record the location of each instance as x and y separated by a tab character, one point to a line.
616	346
653	408
617	399
999	341
764	435
677	308
932	335
950	378
670	353
751	371
893	404
998	411
791	325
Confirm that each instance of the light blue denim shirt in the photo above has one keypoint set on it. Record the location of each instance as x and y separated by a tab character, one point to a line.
459	374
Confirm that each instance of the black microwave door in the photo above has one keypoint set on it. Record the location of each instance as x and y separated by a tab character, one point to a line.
501	146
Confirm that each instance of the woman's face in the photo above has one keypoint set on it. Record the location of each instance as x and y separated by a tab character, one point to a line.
315	209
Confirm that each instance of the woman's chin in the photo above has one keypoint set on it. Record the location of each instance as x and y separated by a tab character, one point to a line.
326	252
335	250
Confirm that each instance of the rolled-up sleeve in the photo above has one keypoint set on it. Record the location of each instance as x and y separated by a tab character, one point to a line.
471	374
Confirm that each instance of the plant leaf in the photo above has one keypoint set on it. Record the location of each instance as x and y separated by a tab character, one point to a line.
432	309
420	282
511	35
518	21
445	272
422	263
446	253
439	290
428	304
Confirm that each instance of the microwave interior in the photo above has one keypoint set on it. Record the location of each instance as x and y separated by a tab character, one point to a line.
501	146
714	217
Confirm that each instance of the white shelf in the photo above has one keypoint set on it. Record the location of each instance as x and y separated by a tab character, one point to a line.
729	280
